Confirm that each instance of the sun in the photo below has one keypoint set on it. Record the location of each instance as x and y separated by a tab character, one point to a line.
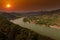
8	5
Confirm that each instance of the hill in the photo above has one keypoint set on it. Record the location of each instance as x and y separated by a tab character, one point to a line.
10	31
10	16
13	15
47	18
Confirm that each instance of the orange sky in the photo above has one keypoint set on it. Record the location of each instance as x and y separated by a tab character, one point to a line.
25	5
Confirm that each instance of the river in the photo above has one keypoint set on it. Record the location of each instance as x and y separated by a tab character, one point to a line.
47	31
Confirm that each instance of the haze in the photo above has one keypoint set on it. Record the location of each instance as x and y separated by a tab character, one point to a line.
29	5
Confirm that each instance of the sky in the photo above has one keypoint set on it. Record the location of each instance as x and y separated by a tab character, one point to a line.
29	5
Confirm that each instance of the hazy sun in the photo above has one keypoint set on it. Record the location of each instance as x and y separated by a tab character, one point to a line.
8	5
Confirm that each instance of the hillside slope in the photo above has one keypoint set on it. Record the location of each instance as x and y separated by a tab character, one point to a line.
10	31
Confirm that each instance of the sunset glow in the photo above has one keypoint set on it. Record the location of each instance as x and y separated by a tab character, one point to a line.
29	5
8	5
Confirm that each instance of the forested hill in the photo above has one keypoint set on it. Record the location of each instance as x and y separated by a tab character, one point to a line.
10	31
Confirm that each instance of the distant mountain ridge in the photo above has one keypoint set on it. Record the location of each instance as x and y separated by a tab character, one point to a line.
10	16
14	15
